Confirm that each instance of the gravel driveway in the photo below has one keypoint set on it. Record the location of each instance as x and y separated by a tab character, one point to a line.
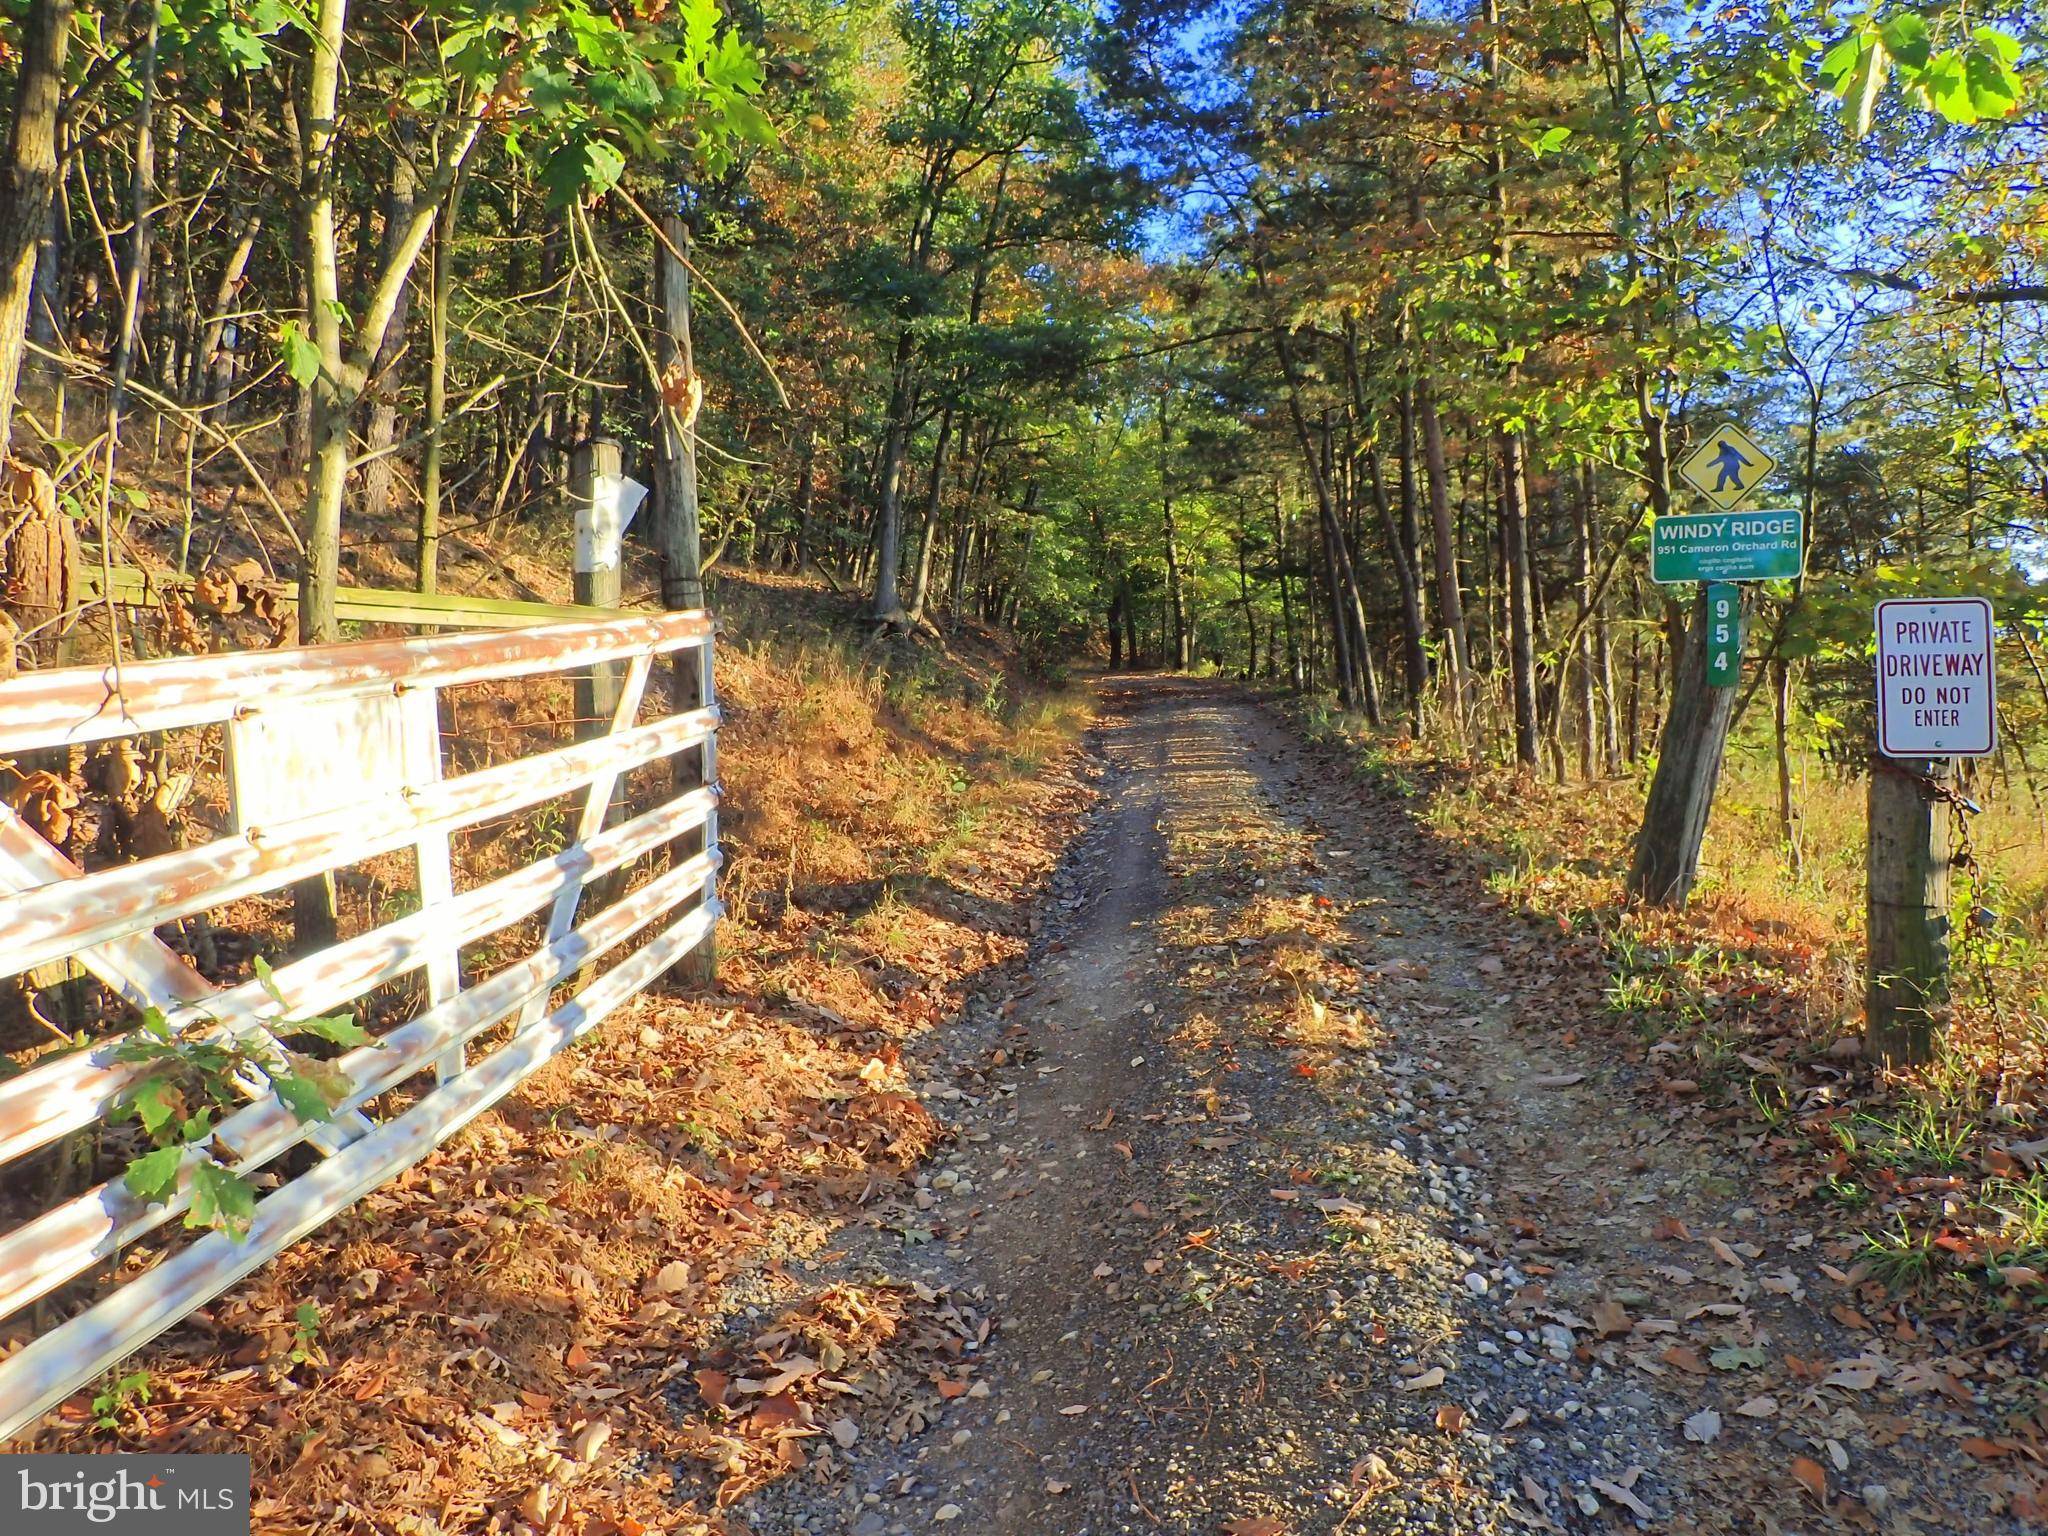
1297	1214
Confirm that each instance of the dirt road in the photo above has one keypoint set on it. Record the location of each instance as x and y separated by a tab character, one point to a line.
1298	1216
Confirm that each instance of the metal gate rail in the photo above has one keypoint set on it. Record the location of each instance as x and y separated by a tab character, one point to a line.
370	708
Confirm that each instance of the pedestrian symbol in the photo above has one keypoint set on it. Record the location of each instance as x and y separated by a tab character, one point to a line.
1727	467
1730	462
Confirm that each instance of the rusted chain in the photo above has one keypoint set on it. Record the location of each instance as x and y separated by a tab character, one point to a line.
1931	788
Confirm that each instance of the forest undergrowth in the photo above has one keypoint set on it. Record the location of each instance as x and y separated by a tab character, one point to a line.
1743	1011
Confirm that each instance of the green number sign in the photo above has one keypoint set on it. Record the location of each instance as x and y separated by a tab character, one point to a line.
1724	634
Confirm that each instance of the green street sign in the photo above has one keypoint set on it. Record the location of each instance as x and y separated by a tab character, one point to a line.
1726	546
1724	634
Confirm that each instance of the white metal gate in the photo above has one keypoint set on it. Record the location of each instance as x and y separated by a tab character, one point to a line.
334	755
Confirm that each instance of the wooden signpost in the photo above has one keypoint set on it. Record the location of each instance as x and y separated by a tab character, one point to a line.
1936	701
1713	550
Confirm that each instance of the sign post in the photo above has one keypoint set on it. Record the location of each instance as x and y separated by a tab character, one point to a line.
1936	700
1715	550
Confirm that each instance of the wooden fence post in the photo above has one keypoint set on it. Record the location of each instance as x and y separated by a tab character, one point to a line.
594	477
1906	1001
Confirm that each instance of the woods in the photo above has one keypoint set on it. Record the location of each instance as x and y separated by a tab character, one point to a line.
1361	373
1339	347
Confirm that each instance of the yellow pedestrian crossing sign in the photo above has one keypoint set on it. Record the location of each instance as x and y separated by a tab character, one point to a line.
1726	467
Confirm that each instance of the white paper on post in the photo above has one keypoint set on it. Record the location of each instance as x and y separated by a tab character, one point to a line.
602	525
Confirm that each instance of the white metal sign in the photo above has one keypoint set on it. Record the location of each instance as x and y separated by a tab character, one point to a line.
1726	467
296	757
1937	689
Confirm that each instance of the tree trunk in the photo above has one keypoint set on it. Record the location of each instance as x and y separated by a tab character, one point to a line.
344	371
921	587
329	399
1340	630
1414	631
441	282
1244	598
1581	658
678	531
206	359
382	428
1294	671
887	606
1514	532
806	490
1603	645
1015	608
141	193
1411	526
1781	721
1695	733
30	181
1183	649
1450	605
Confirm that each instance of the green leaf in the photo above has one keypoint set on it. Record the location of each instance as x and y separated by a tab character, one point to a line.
158	1103
221	1199
1999	43
303	1097
749	122
1840	61
301	361
1944	87
267	979
548	89
338	1028
333	1083
240	47
1865	82
604	165
1994	88
734	66
154	1176
700	25
1732	1359
1906	37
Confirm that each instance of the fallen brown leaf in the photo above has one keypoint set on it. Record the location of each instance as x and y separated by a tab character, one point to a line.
1813	1477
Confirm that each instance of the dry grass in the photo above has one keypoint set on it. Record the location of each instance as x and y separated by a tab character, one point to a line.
1749	1003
